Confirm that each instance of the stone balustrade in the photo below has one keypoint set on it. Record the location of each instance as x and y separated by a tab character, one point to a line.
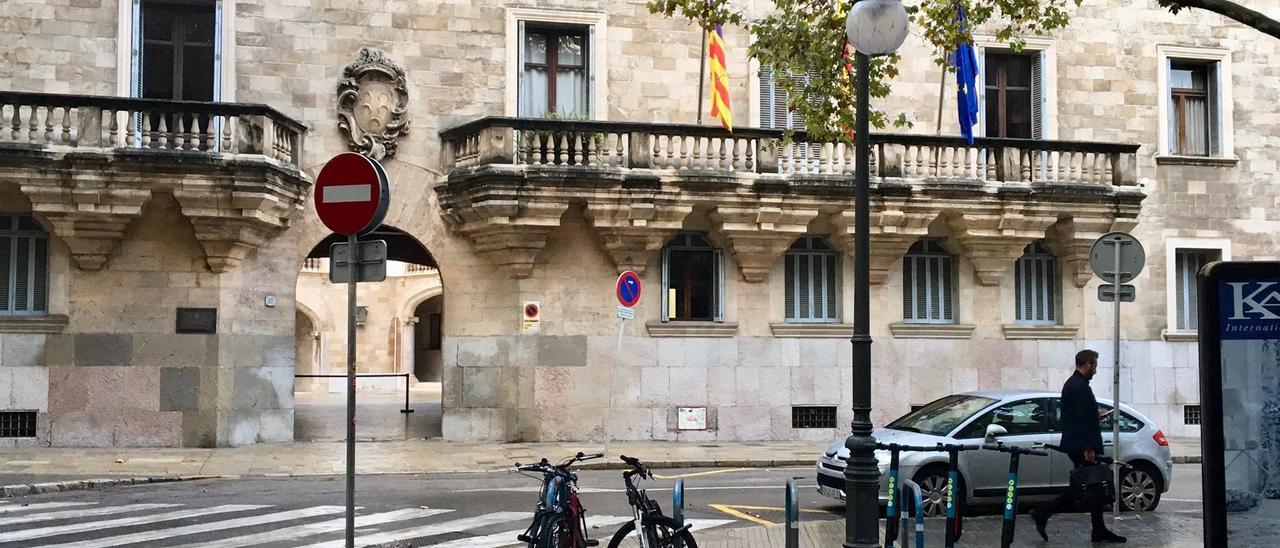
509	180
90	163
680	148
87	122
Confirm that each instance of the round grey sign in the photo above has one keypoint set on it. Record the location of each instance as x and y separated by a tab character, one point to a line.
1102	257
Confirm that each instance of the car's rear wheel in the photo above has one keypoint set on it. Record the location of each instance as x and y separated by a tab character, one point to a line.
1140	488
933	491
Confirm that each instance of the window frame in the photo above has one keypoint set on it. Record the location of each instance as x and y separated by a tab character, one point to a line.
553	33
130	39
1048	59
717	276
1002	88
948	264
1178	97
597	54
1221	110
1036	252
11	230
1172	246
829	294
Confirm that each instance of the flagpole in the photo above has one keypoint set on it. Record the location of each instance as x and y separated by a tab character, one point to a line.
942	90
702	73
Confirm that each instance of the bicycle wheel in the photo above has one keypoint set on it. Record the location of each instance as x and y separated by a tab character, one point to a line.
557	532
664	532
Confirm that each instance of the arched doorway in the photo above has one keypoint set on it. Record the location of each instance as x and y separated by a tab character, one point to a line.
428	340
386	331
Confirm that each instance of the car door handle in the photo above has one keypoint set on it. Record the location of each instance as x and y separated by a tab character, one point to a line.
1106	443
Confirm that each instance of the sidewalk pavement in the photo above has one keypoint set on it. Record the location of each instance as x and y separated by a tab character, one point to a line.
402	457
1169	530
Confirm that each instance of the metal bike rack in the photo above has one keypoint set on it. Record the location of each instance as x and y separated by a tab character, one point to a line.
919	513
793	515
677	507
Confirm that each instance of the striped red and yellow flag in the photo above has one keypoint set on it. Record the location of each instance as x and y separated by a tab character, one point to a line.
719	78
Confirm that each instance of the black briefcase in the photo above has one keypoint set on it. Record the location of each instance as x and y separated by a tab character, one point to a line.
1093	486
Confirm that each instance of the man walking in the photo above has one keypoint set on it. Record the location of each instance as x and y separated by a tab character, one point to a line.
1081	440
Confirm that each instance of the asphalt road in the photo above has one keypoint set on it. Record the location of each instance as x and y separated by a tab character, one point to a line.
457	510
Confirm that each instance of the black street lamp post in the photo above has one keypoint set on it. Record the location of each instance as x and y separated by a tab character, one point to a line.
874	27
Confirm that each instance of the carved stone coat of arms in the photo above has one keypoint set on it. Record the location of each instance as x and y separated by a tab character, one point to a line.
373	104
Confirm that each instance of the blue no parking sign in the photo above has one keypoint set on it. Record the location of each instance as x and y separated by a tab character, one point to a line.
628	289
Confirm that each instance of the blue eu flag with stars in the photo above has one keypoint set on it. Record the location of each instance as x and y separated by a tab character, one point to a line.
966	64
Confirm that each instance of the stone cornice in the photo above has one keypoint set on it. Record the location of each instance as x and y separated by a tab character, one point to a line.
53	323
1040	332
931	330
812	330
692	329
89	199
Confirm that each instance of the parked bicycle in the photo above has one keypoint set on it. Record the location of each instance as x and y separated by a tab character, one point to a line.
560	519
649	529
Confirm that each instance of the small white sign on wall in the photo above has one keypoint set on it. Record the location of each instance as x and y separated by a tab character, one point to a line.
531	317
691	418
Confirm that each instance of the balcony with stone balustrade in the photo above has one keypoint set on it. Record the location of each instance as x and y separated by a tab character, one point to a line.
89	164
509	180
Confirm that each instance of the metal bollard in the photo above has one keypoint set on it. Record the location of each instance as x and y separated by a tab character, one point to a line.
793	515
908	485
677	508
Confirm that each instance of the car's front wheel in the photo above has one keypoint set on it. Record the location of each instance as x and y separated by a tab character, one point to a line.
1140	488
933	491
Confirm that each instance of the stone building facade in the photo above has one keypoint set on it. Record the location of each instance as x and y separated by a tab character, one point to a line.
152	214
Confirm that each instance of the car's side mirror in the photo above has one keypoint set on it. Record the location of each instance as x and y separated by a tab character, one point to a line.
994	431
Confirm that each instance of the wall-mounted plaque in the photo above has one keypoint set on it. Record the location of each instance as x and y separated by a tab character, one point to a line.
197	320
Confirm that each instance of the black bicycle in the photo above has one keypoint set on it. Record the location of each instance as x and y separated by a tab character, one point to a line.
649	528
560	520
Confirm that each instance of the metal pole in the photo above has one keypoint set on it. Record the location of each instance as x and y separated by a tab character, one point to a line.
406	395
613	383
793	515
677	508
862	475
702	71
1115	392
354	252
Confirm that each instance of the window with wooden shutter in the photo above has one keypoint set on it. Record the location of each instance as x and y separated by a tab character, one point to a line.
928	283
555	76
1014	95
1036	286
812	281
692	279
1187	262
24	266
1193	109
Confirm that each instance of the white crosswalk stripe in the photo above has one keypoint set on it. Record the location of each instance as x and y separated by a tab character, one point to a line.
68	514
121	522
153	524
313	529
508	538
147	536
12	510
456	525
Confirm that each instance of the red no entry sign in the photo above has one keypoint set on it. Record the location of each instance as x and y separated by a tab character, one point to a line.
351	194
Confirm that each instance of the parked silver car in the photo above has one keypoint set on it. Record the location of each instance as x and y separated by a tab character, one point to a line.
1028	418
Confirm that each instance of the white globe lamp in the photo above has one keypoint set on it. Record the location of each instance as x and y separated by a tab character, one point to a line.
876	27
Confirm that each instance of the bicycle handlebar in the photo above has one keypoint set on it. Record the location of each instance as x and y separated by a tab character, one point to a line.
1010	449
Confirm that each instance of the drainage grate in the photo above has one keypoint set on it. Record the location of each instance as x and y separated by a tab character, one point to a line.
17	424
813	416
1191	414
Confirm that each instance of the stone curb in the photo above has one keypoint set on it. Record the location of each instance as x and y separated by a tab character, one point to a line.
82	485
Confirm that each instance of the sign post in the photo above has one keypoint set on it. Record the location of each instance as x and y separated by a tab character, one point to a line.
1116	258
351	198
627	289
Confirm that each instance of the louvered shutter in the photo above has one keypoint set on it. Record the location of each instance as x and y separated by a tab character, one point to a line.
831	288
980	81
666	284
1171	126
1215	109
136	57
1037	97
590	79
805	277
22	274
39	274
1187	263
717	290
6	272
790	290
522	82
217	51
